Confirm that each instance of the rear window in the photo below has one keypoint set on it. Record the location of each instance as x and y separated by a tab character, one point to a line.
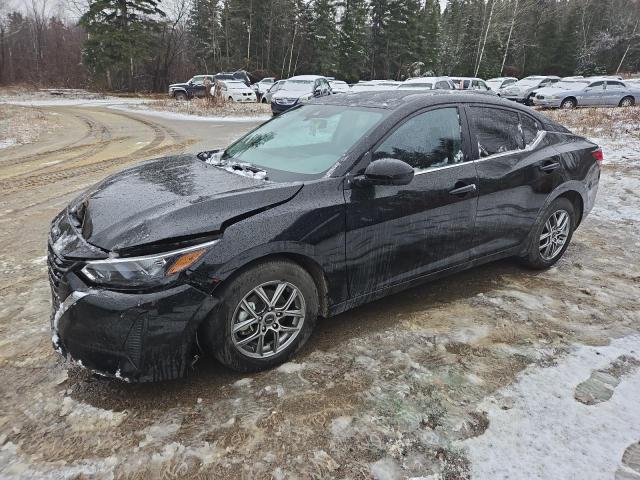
496	130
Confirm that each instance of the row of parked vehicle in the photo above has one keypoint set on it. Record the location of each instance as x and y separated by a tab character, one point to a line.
539	90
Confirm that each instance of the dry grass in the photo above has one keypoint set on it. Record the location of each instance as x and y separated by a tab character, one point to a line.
201	107
601	122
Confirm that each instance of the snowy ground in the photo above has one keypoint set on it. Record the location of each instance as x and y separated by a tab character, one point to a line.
493	373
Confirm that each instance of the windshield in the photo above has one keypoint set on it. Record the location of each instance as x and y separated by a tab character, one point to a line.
494	82
528	82
298	85
303	143
570	85
235	85
416	85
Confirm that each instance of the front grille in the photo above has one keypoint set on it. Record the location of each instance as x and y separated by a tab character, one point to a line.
58	266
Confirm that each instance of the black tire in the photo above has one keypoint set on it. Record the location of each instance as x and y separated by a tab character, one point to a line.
181	96
230	99
263	100
216	331
533	258
627	101
568	104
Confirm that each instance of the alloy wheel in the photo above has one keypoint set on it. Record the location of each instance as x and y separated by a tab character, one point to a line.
268	319
554	234
626	102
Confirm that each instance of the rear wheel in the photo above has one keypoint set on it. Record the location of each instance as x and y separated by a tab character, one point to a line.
267	313
568	104
551	235
627	102
230	99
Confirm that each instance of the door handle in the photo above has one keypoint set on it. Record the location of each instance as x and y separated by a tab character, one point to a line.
463	190
549	167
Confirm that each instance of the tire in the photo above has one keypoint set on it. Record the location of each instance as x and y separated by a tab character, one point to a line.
568	104
535	256
230	99
627	102
263	100
180	96
239	298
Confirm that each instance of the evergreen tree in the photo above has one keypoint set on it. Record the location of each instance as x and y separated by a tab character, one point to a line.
119	38
324	36
205	31
352	40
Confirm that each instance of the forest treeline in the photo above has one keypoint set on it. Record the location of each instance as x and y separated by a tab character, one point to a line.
144	45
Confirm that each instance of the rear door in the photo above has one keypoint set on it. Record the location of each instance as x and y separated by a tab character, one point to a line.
517	168
614	92
398	233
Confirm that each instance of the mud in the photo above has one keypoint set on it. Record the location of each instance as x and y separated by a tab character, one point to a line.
388	390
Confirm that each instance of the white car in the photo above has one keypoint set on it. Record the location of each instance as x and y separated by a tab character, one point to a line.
236	91
263	85
374	85
497	83
338	86
427	83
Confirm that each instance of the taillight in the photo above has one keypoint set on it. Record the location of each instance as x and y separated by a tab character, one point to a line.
597	154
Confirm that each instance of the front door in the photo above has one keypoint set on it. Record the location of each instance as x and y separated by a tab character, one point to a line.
397	233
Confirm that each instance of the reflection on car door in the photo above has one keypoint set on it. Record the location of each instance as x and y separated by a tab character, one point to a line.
397	233
614	92
517	168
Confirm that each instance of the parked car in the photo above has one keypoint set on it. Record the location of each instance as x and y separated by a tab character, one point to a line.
266	98
328	206
495	84
191	88
237	75
427	83
374	85
523	90
470	83
263	85
588	92
338	86
299	89
236	91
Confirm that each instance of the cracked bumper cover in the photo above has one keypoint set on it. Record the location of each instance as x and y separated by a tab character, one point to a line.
133	336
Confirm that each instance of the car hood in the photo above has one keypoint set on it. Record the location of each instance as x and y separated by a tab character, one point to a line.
178	85
288	94
511	90
179	197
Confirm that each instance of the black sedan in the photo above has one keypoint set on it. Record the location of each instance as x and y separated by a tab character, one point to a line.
328	206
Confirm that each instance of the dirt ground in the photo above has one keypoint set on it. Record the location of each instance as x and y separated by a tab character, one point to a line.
394	389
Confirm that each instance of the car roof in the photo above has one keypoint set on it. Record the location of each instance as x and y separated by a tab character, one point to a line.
425	79
305	77
466	78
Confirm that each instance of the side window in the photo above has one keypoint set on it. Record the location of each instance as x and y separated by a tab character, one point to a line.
530	129
443	85
496	130
428	140
508	82
482	85
597	85
615	85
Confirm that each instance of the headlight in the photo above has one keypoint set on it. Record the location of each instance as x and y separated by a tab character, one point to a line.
146	271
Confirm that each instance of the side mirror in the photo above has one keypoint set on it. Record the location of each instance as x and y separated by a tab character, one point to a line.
387	171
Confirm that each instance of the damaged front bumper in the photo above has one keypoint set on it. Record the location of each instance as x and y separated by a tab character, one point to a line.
135	337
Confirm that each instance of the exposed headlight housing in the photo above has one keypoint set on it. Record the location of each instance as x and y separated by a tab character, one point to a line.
144	271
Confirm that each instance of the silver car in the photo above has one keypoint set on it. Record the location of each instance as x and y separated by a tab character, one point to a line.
266	97
523	90
588	92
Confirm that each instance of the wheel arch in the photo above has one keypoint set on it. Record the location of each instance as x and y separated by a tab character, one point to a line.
305	261
570	97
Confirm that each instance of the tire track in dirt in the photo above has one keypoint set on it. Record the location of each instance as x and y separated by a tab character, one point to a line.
94	131
34	179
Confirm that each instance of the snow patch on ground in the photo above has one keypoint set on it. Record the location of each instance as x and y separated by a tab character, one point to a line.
548	434
8	142
195	118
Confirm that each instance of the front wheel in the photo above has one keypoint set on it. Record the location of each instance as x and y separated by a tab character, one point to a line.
267	313
181	96
568	104
551	235
627	102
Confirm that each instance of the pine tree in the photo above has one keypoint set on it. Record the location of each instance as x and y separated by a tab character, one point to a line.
324	36
206	35
119	38
352	40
